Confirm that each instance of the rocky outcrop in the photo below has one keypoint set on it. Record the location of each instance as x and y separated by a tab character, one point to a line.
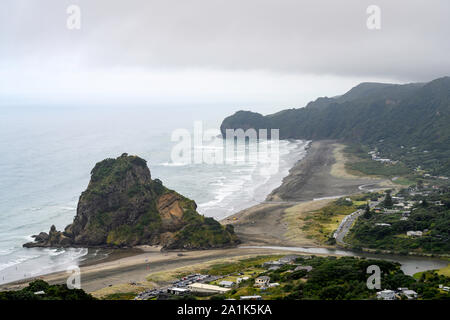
123	206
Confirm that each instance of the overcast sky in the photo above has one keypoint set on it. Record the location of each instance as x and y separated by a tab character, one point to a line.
266	53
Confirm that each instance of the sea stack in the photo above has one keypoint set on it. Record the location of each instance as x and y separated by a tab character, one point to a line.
123	207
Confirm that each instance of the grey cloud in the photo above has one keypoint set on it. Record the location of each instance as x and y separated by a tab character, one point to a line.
286	36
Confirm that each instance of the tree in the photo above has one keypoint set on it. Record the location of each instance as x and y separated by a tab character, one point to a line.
420	184
367	214
388	203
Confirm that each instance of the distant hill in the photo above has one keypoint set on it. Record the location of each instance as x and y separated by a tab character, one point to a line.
407	122
123	206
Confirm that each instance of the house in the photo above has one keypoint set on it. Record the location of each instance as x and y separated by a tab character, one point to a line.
240	279
414	233
262	281
251	298
288	259
386	295
226	284
307	268
206	288
275	263
390	211
272	285
39	293
383	224
410	294
274	268
178	291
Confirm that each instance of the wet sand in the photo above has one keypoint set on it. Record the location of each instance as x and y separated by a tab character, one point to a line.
311	184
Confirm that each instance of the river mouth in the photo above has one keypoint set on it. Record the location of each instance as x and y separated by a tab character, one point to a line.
409	264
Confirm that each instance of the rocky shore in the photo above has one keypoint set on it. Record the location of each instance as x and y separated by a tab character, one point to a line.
123	207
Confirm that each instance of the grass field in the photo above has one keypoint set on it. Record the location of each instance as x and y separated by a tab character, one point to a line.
322	223
445	271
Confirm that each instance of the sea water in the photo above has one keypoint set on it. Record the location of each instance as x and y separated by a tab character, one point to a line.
47	154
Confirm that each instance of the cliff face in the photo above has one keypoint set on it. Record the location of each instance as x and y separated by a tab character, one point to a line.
123	206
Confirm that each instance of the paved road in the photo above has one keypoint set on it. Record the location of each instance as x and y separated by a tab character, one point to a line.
345	226
347	223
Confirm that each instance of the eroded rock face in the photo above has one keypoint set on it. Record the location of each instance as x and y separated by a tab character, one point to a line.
123	206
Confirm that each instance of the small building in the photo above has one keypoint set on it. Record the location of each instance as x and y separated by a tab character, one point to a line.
226	284
307	268
178	291
251	298
414	233
240	279
272	285
39	293
383	224
410	294
275	263
391	211
262	281
274	268
288	259
206	288
386	295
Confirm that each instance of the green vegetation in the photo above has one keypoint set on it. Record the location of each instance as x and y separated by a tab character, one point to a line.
251	264
120	296
362	163
202	232
331	278
51	292
432	220
322	223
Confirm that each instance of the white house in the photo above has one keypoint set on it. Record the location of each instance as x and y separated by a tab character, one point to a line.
206	288
386	295
178	291
414	233
226	284
275	284
410	294
251	298
262	281
307	268
240	279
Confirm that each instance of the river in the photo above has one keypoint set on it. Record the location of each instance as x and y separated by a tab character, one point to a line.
409	264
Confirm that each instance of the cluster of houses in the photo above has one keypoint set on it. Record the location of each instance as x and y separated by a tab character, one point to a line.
197	283
427	175
403	293
403	207
398	294
376	157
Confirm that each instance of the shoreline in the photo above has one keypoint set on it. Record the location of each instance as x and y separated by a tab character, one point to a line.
311	183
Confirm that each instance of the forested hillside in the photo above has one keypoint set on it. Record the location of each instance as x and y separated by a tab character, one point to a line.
408	122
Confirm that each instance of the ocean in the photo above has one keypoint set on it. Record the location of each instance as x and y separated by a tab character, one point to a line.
47	154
